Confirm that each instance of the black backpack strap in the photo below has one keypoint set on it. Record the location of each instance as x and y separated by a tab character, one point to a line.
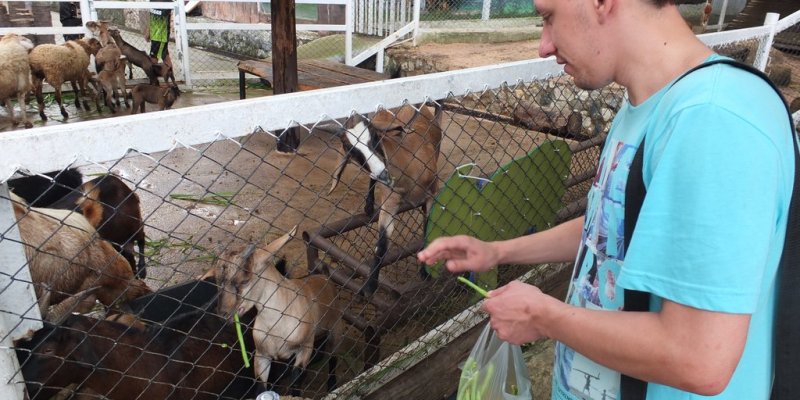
787	310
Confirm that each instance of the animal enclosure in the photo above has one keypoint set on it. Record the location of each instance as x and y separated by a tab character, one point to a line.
518	150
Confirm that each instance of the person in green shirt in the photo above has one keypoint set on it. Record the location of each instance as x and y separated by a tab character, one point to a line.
157	32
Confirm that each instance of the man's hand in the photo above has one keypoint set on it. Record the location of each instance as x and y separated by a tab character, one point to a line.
460	253
517	312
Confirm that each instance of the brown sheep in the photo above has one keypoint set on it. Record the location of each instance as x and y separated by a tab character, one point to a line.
15	74
66	257
61	63
164	97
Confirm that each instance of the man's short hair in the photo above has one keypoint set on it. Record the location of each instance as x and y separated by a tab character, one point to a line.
662	3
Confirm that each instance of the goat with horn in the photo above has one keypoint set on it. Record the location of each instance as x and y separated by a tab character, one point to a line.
292	313
399	149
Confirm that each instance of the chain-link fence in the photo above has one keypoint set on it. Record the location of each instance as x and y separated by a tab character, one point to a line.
182	257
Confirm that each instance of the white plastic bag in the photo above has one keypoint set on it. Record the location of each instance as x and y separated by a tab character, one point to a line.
494	370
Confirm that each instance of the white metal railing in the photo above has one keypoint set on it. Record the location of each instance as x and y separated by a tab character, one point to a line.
88	142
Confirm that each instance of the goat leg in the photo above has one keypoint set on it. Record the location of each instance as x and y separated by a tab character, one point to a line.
60	103
84	88
369	204
380	251
37	89
10	109
332	361
22	99
141	268
261	365
296	378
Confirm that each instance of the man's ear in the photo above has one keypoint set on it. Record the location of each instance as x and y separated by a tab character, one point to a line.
604	8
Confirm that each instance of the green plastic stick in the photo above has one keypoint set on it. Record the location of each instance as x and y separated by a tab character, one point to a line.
473	286
241	340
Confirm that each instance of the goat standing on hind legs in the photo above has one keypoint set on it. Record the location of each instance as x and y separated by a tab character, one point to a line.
399	149
291	312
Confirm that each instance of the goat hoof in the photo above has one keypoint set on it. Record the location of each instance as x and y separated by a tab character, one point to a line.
368	289
64	113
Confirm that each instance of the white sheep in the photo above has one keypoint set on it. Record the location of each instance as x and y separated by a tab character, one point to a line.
61	63
15	73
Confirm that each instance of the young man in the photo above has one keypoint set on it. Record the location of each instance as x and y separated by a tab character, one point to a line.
157	32
718	166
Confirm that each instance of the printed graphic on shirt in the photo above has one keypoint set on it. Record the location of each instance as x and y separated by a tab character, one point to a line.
593	283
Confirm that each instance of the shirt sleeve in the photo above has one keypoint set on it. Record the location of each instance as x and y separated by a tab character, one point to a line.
705	230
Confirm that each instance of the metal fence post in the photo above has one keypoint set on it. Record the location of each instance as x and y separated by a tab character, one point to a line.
18	311
349	16
183	42
722	15
762	55
92	11
486	10
87	10
417	5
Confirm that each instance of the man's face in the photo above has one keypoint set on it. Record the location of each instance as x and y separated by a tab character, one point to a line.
574	37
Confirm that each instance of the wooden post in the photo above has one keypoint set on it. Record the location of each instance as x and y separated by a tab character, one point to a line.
284	62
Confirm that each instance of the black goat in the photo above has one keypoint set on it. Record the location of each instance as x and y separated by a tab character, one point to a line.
193	356
40	191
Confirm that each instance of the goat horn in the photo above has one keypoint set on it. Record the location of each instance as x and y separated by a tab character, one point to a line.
247	253
276	244
44	301
337	175
59	312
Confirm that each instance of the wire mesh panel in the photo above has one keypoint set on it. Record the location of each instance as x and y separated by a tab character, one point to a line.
230	223
179	255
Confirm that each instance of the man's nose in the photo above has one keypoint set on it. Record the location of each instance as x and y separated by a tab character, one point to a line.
546	46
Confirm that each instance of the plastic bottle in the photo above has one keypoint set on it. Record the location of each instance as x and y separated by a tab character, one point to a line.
268	395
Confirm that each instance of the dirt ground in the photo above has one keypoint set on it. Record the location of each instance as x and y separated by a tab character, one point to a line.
454	56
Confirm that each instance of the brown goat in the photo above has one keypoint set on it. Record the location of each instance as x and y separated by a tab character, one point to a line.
291	312
109	205
164	97
112	83
65	257
141	59
399	149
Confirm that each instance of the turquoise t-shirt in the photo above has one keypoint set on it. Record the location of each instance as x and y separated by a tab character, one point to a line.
719	169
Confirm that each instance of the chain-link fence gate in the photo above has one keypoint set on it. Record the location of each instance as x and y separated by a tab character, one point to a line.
238	238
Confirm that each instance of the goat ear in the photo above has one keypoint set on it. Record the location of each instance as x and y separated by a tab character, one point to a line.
387	121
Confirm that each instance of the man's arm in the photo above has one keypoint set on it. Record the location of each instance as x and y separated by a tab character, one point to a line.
557	244
680	346
465	253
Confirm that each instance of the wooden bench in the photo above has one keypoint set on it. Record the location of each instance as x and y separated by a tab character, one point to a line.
311	74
